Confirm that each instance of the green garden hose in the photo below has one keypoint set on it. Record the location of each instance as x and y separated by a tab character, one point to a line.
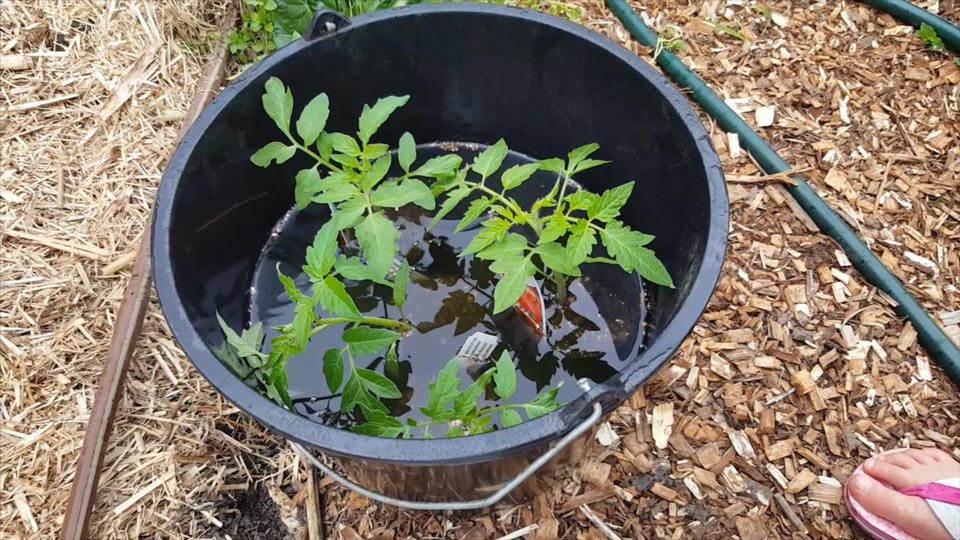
931	336
915	16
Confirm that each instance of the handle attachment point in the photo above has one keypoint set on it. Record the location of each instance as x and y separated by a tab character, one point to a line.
324	22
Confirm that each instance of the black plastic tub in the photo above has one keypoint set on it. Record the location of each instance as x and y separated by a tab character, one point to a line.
475	73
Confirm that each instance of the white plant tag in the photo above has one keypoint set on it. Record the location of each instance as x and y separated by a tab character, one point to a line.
477	347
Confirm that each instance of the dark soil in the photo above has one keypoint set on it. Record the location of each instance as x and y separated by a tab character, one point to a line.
252	515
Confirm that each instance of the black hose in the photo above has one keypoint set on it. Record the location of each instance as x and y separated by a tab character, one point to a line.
931	336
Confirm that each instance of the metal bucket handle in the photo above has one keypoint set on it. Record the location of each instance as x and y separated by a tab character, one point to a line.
475	504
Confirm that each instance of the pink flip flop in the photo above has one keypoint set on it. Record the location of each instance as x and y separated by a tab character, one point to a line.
943	497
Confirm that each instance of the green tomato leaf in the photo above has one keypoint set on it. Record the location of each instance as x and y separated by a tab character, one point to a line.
363	340
465	404
313	119
334	299
445	389
320	255
369	405
248	344
281	349
505	376
476	208
278	103
348	162
334	189
451	202
324	145
510	418
480	242
352	394
277	386
308	184
333	369
303	317
494	231
376	173
518	174
488	161
344	144
645	261
547	201
394	195
608	206
373	151
424	198
581	200
554	256
348	214
621	243
542	404
274	151
554	165
581	242
443	184
378	240
556	227
504	212
289	286
512	245
380	425
353	268
400	284
407	151
579	154
377	384
626	247
510	287
587	164
373	117
439	166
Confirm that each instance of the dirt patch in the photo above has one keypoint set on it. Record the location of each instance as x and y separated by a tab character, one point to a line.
252	515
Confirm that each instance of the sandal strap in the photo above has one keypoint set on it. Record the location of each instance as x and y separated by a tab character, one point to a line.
935	492
943	498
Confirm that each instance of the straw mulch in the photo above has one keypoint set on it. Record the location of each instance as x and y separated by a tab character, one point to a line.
798	370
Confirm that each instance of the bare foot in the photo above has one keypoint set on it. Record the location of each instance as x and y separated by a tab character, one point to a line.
901	470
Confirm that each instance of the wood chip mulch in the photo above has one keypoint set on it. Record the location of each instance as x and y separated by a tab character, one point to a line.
798	370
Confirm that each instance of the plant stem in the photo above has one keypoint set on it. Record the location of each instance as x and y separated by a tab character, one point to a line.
590	223
370	321
563	188
504	407
561	284
314	155
511	204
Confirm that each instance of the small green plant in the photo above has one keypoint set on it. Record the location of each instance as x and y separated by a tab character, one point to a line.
930	37
554	237
669	40
269	24
763	11
723	29
933	41
566	224
254	38
458	411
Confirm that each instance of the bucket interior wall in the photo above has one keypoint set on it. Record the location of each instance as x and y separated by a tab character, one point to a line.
472	77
